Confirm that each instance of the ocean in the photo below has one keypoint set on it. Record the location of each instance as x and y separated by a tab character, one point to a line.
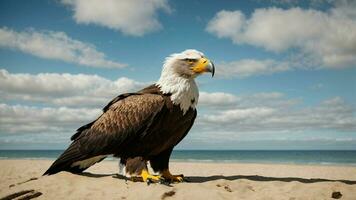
318	157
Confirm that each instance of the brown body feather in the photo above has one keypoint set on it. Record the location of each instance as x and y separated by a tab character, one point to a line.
145	124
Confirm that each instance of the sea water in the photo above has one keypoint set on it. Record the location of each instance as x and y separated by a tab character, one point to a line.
320	157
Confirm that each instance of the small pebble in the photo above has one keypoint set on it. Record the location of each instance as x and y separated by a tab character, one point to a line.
336	195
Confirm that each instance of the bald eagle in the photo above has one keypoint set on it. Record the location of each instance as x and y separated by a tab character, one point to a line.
143	126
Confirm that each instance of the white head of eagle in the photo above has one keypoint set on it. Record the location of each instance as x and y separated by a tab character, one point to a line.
177	77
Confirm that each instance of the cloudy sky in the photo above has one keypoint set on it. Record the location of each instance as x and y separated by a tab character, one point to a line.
285	70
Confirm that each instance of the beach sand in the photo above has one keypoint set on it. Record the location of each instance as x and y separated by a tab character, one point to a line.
206	181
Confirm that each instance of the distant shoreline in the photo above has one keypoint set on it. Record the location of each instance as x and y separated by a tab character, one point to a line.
115	160
291	157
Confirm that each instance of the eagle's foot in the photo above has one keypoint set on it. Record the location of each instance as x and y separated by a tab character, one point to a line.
166	174
148	178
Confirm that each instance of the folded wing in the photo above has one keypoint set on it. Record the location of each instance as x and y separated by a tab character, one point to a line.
124	119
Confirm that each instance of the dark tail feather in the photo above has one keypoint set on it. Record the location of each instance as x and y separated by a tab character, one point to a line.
64	162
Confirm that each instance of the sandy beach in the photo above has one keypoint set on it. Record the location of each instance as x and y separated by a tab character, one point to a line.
22	179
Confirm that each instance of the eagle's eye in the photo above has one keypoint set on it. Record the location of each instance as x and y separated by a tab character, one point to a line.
189	60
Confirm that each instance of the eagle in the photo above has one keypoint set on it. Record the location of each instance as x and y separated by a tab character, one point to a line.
142	126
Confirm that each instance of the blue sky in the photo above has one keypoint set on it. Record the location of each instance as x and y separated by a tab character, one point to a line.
286	70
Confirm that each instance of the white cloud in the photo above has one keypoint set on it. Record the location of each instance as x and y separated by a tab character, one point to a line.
240	115
250	67
63	89
223	100
27	119
217	99
67	101
331	114
326	38
131	17
57	46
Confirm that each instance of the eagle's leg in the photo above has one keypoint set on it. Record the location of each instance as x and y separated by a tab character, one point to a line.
136	169
160	163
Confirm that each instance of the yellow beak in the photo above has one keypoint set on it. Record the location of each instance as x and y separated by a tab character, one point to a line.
204	65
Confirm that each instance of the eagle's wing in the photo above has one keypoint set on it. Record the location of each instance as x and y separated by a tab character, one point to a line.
123	120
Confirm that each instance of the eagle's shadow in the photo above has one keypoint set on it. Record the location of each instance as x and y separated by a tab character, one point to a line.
203	179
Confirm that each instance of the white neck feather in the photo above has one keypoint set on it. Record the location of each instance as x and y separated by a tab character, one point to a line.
184	91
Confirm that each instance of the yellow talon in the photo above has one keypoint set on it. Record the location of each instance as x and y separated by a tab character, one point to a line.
166	174
146	176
